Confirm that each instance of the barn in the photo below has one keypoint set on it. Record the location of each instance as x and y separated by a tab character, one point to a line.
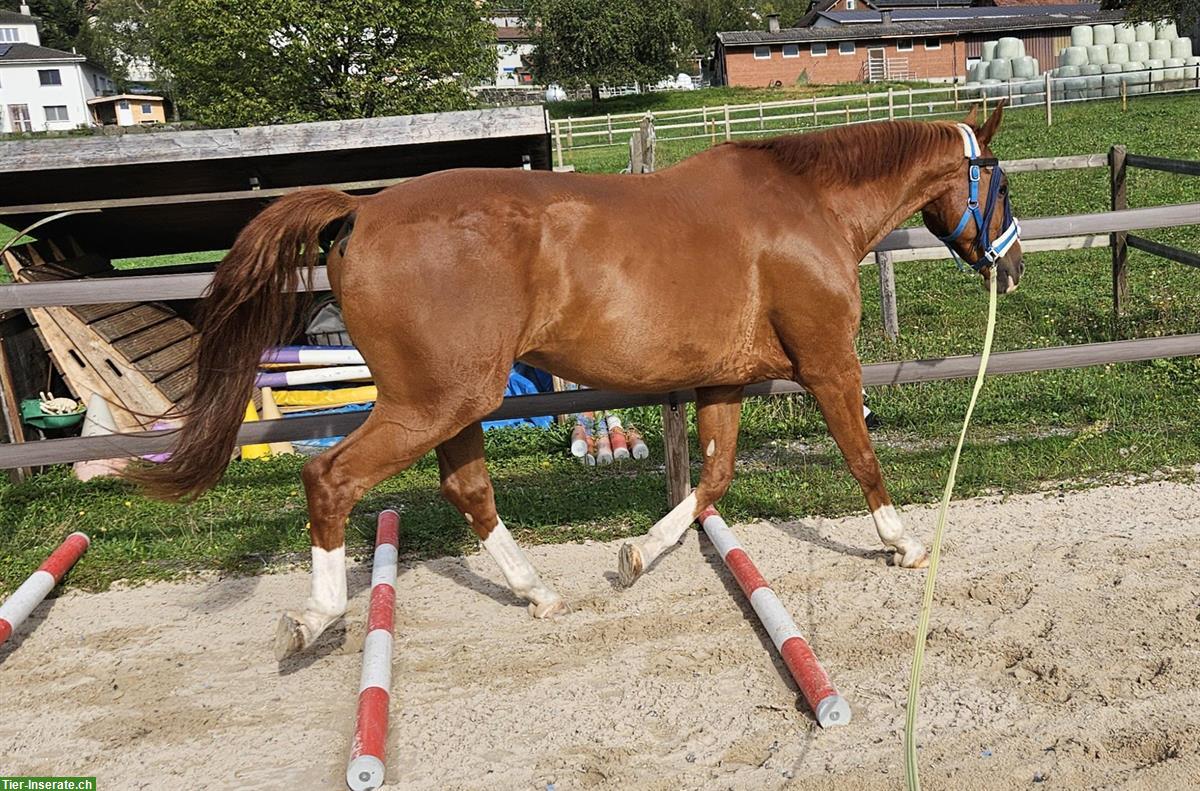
929	44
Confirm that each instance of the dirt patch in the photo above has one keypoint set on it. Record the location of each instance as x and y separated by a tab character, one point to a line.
1065	652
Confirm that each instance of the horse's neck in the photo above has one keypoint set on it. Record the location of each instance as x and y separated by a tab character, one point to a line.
877	207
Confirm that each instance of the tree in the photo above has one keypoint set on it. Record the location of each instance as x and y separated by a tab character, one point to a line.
234	63
1184	12
605	42
64	25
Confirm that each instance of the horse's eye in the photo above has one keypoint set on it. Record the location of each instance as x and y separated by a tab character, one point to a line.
1003	189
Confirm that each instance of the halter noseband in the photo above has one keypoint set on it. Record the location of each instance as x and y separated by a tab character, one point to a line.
989	250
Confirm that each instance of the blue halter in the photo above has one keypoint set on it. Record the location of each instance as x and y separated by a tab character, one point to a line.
989	249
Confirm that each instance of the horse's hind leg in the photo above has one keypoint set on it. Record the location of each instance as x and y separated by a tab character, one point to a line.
468	487
333	483
837	389
718	411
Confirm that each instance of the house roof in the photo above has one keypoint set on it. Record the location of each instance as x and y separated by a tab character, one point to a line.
10	53
975	24
513	34
1011	3
15	18
925	3
137	97
925	14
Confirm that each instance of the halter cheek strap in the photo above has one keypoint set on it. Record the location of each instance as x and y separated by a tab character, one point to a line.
989	249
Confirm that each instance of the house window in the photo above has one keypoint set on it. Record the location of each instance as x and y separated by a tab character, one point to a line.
123	104
791	50
933	43
762	53
851	5
9	35
56	112
49	77
18	114
846	47
904	45
818	49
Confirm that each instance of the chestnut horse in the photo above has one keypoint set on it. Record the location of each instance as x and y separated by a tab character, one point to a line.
737	265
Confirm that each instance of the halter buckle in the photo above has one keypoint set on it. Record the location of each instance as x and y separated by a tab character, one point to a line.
973	173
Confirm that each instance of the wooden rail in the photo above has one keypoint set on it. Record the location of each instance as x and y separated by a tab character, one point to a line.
63	451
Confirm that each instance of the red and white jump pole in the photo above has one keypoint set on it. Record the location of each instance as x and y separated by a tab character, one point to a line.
823	698
25	598
365	770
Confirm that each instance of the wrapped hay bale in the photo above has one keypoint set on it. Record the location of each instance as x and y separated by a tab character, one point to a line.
1077	56
1144	31
1000	69
1010	48
1135	77
1118	53
1173	71
1024	68
1104	34
978	72
1125	33
1165	31
1160	50
1191	69
1156	70
989	50
1181	48
1111	81
1097	54
1081	36
972	90
1139	52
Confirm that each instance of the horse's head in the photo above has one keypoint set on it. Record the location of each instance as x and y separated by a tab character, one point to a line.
973	215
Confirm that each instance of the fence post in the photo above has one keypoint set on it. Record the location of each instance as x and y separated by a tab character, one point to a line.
887	295
1049	101
675	448
814	101
868	95
558	143
891	104
610	137
955	84
910	102
761	125
728	132
570	136
1120	252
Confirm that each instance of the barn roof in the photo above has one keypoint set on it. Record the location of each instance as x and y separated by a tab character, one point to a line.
914	28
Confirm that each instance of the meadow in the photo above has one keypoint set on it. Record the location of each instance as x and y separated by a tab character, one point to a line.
1032	432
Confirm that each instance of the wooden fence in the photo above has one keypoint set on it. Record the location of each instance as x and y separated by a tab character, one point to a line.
908	244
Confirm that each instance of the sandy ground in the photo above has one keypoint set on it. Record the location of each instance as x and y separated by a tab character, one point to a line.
1065	653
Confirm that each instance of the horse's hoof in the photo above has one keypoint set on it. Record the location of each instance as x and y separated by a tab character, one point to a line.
630	564
549	609
291	636
916	558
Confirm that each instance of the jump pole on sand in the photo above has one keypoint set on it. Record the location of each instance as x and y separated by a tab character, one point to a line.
18	606
365	769
823	698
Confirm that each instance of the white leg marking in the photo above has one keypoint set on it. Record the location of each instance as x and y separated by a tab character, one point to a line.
910	553
519	572
668	530
328	599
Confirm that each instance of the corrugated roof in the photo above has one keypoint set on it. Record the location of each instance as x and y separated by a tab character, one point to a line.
924	3
22	51
924	14
987	24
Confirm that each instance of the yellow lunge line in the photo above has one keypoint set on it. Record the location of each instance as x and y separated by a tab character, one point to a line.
912	780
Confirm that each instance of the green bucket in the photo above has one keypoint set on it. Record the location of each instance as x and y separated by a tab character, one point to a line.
31	413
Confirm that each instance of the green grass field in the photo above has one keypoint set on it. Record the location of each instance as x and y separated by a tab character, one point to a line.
1057	429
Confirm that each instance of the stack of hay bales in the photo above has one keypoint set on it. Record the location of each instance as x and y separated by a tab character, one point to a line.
1003	61
1102	57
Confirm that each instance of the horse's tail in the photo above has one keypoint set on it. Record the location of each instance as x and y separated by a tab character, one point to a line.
252	305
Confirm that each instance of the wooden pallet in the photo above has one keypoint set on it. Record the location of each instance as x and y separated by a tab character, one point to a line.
137	355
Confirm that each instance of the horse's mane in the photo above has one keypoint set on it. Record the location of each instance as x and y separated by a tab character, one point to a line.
863	152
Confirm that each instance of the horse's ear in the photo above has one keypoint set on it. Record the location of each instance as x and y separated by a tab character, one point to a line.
972	117
992	124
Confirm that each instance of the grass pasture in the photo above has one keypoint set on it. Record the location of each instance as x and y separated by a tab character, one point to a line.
1068	428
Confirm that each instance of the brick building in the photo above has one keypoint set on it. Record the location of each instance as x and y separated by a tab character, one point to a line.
934	45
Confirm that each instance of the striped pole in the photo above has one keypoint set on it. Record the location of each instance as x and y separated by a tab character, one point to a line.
823	698
365	770
16	609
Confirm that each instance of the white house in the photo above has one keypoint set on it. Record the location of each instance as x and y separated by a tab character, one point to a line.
512	49
42	89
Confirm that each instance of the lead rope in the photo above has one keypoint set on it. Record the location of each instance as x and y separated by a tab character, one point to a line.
912	780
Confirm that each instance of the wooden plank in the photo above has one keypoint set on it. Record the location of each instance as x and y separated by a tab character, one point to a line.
1040	164
1165	251
63	451
11	409
193	286
178	385
1181	166
675	445
887	296
167	361
1118	162
153	339
262	141
90	313
130	321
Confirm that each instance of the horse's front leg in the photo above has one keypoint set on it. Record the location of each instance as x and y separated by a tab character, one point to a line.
718	411
839	395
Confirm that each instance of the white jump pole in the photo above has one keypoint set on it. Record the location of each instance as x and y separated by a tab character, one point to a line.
34	589
366	768
823	698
